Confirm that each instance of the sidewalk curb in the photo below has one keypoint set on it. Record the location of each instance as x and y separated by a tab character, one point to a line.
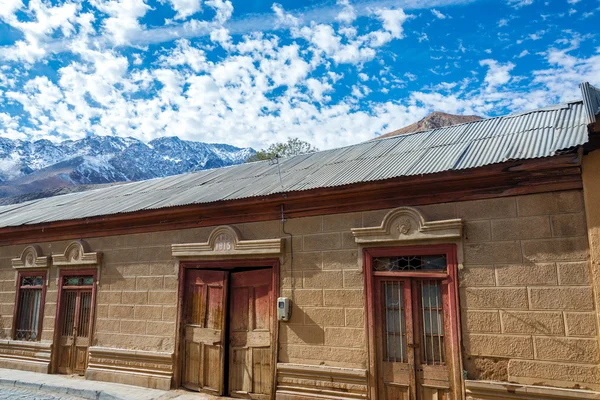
85	393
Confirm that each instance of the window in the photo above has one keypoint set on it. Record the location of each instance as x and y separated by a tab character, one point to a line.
29	305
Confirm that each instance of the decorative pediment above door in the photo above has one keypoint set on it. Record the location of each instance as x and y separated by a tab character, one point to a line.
227	242
77	254
31	257
407	224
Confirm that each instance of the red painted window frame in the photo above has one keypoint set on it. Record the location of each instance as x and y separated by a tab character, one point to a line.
449	278
20	275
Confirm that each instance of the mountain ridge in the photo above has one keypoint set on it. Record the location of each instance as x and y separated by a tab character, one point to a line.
31	166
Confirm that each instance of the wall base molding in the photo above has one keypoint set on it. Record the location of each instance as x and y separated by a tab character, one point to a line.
25	356
304	382
489	390
132	367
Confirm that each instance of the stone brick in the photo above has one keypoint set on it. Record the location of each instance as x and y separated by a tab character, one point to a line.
570	201
260	230
113	256
137	269
477	275
564	249
526	274
134	297
302	226
373	218
323	241
299	334
149	282
291	279
499	345
561	298
120	283
434	212
155	253
133	327
160	328
353	279
323	279
166	268
342	259
119	311
343	297
496	298
477	231
342	222
344	337
101	311
156	297
486	368
348	241
575	273
169	313
148	313
581	324
493	252
481	321
107	325
137	240
304	261
537	323
566	349
548	371
171	283
521	228
487	209
569	225
324	316
537	204
105	297
355	317
305	297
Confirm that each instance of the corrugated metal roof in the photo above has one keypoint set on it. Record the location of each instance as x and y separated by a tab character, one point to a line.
591	100
534	134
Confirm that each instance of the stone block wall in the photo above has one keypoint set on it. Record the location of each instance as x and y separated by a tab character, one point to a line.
526	296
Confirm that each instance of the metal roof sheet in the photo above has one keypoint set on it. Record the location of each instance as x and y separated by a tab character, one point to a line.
534	134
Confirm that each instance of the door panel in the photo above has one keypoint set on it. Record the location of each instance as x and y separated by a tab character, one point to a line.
251	318
75	330
410	339
204	329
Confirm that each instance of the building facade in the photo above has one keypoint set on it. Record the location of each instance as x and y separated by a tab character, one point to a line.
480	283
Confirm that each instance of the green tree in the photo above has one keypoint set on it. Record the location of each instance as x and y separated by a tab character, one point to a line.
292	147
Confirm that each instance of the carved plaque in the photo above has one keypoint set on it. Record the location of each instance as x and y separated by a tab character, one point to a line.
224	242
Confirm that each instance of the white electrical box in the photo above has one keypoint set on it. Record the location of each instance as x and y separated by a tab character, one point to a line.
284	309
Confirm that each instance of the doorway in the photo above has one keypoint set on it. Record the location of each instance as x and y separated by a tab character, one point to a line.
414	328
75	320
228	332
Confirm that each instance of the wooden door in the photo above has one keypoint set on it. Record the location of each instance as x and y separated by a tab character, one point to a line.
251	321
410	338
76	324
204	330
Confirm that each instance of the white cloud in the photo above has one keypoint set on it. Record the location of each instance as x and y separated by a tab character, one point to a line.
347	15
186	8
122	24
438	14
519	3
523	54
498	74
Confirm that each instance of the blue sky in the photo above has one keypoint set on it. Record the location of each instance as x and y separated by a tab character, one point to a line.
251	73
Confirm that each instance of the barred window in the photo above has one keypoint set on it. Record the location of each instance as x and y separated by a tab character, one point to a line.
29	304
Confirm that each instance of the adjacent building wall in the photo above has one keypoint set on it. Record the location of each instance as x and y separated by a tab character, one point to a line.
527	307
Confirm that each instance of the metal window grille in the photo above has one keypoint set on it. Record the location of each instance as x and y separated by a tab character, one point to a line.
30	304
434	263
394	326
78	280
433	322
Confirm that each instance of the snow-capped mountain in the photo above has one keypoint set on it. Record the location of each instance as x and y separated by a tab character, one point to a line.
41	165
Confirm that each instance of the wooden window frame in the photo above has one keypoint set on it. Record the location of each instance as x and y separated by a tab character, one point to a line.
448	278
20	275
227	265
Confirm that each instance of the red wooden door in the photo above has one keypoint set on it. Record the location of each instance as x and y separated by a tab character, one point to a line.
76	323
251	319
204	330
